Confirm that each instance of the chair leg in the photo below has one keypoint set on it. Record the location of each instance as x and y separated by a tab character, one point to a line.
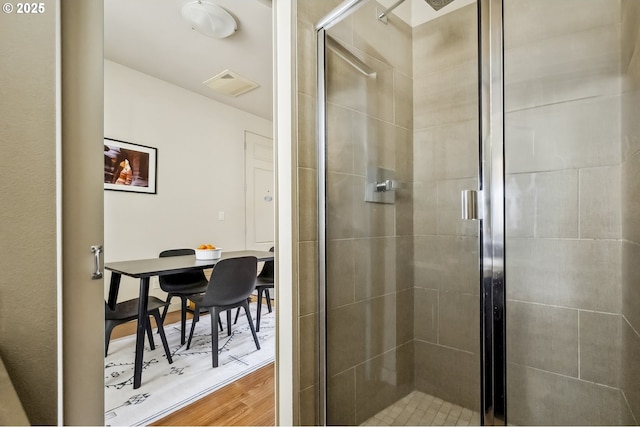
166	307
167	352
214	338
250	320
259	309
220	324
196	317
150	335
108	328
183	319
237	315
228	323
266	293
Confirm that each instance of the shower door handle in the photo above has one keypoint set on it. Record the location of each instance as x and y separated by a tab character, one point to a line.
469	204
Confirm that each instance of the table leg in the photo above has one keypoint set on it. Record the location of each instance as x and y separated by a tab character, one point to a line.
114	286
142	320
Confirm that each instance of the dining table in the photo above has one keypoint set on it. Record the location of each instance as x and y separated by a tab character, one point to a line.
144	269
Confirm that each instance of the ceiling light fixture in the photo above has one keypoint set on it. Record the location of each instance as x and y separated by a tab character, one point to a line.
209	19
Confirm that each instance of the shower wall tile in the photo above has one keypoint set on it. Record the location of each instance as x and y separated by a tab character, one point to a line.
631	283
543	337
341	209
308	406
403	100
563	136
560	69
450	220
403	142
444	43
341	399
553	18
306	63
457	152
556	200
425	327
307	204
442	92
458	321
311	11
450	374
448	263
307	143
424	156
600	348
390	43
340	273
340	140
404	210
383	150
345	334
375	267
425	203
600	199
380	325
404	318
630	124
630	378
383	380
534	400
308	278
630	34
631	199
308	337
573	273
520	205
404	263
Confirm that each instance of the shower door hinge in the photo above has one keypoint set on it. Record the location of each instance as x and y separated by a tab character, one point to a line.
469	204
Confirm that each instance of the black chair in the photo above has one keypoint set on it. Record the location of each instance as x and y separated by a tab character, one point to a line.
232	282
264	282
127	311
182	285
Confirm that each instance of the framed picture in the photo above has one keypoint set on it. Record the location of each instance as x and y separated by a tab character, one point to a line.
129	167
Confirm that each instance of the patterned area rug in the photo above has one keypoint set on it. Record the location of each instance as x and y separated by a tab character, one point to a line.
166	388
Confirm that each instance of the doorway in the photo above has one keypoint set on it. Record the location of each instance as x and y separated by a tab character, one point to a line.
477	241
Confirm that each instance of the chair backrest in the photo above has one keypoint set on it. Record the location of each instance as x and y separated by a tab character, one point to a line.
188	277
232	281
267	271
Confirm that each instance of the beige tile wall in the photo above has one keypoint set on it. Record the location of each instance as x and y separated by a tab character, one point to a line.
564	265
630	129
446	290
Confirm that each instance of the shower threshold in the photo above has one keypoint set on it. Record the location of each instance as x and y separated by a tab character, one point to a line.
421	409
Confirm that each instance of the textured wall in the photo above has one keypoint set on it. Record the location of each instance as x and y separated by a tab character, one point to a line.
28	210
630	65
563	210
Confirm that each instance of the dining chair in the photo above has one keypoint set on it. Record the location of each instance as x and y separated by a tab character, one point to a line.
182	285
264	282
127	311
232	282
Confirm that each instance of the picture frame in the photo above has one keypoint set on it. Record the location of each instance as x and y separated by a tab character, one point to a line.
130	167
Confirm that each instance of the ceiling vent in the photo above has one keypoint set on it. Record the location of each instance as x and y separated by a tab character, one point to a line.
230	83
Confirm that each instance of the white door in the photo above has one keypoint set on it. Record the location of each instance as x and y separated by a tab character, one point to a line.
259	191
82	211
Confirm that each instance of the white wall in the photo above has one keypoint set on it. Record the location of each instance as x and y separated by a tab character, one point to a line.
200	146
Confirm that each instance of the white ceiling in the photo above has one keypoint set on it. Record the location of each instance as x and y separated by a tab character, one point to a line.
150	36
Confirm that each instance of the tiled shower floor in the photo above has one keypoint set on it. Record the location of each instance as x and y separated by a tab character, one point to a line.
420	409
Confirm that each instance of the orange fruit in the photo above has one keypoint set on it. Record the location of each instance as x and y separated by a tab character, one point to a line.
209	246
202	247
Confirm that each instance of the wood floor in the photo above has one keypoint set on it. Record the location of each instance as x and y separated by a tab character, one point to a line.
250	401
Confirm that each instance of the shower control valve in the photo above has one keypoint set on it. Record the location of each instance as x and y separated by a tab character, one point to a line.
387	185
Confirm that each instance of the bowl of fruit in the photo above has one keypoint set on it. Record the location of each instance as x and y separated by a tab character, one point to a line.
208	251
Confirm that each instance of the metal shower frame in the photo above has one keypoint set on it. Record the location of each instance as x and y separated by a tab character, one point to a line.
491	184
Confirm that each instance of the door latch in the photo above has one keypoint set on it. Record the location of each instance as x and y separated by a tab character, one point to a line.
97	273
469	204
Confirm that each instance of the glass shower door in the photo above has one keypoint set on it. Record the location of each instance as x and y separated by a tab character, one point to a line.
572	158
399	142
